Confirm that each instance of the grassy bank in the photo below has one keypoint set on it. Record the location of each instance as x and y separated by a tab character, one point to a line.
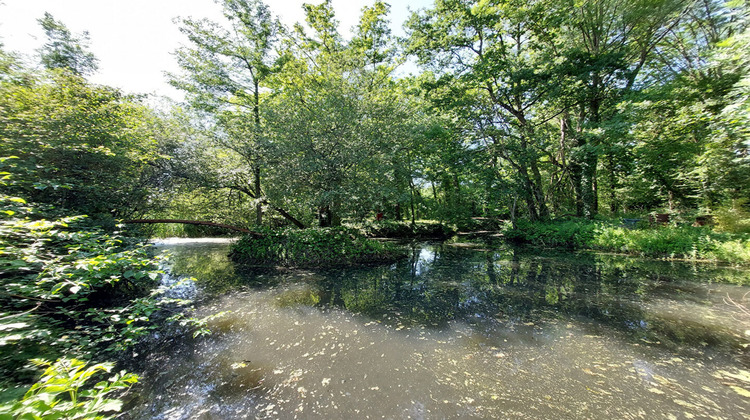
315	247
671	242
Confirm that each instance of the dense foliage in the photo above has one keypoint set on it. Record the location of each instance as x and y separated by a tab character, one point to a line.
321	247
73	289
523	110
60	393
680	242
70	289
395	229
84	149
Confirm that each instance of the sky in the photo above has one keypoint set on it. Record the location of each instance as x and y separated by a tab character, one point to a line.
134	39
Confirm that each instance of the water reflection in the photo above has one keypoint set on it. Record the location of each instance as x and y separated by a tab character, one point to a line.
454	332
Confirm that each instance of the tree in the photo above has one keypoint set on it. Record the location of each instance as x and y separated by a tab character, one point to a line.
725	164
78	147
495	69
64	50
335	114
223	73
609	44
685	135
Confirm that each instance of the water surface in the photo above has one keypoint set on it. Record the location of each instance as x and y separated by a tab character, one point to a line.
455	331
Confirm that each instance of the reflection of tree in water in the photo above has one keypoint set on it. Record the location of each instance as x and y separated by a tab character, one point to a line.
504	286
413	291
510	286
215	273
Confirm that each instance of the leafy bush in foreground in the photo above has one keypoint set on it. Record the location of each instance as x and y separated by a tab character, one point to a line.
60	393
70	290
316	247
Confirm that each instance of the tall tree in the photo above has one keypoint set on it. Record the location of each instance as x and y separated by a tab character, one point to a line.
495	68
609	44
223	74
336	113
65	50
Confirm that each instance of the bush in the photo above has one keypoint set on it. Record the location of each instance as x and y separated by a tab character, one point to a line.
397	229
685	242
733	219
315	247
71	290
60	393
572	234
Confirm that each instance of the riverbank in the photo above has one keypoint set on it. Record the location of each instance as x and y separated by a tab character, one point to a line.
668	242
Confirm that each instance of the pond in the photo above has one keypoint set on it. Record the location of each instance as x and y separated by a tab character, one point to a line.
455	331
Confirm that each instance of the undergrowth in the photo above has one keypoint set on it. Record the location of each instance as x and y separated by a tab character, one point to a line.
315	247
673	242
70	291
405	230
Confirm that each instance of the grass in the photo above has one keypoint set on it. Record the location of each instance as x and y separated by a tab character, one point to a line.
670	242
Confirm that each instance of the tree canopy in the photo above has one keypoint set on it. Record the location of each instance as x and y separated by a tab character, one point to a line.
520	109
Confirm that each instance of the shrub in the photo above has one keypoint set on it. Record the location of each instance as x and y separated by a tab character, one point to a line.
397	229
733	219
69	289
572	234
315	247
686	242
60	393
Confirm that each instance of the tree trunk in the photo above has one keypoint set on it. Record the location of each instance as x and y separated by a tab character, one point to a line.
256	112
335	214
614	204
286	215
437	202
539	192
279	210
411	201
591	159
324	216
258	206
588	186
529	195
